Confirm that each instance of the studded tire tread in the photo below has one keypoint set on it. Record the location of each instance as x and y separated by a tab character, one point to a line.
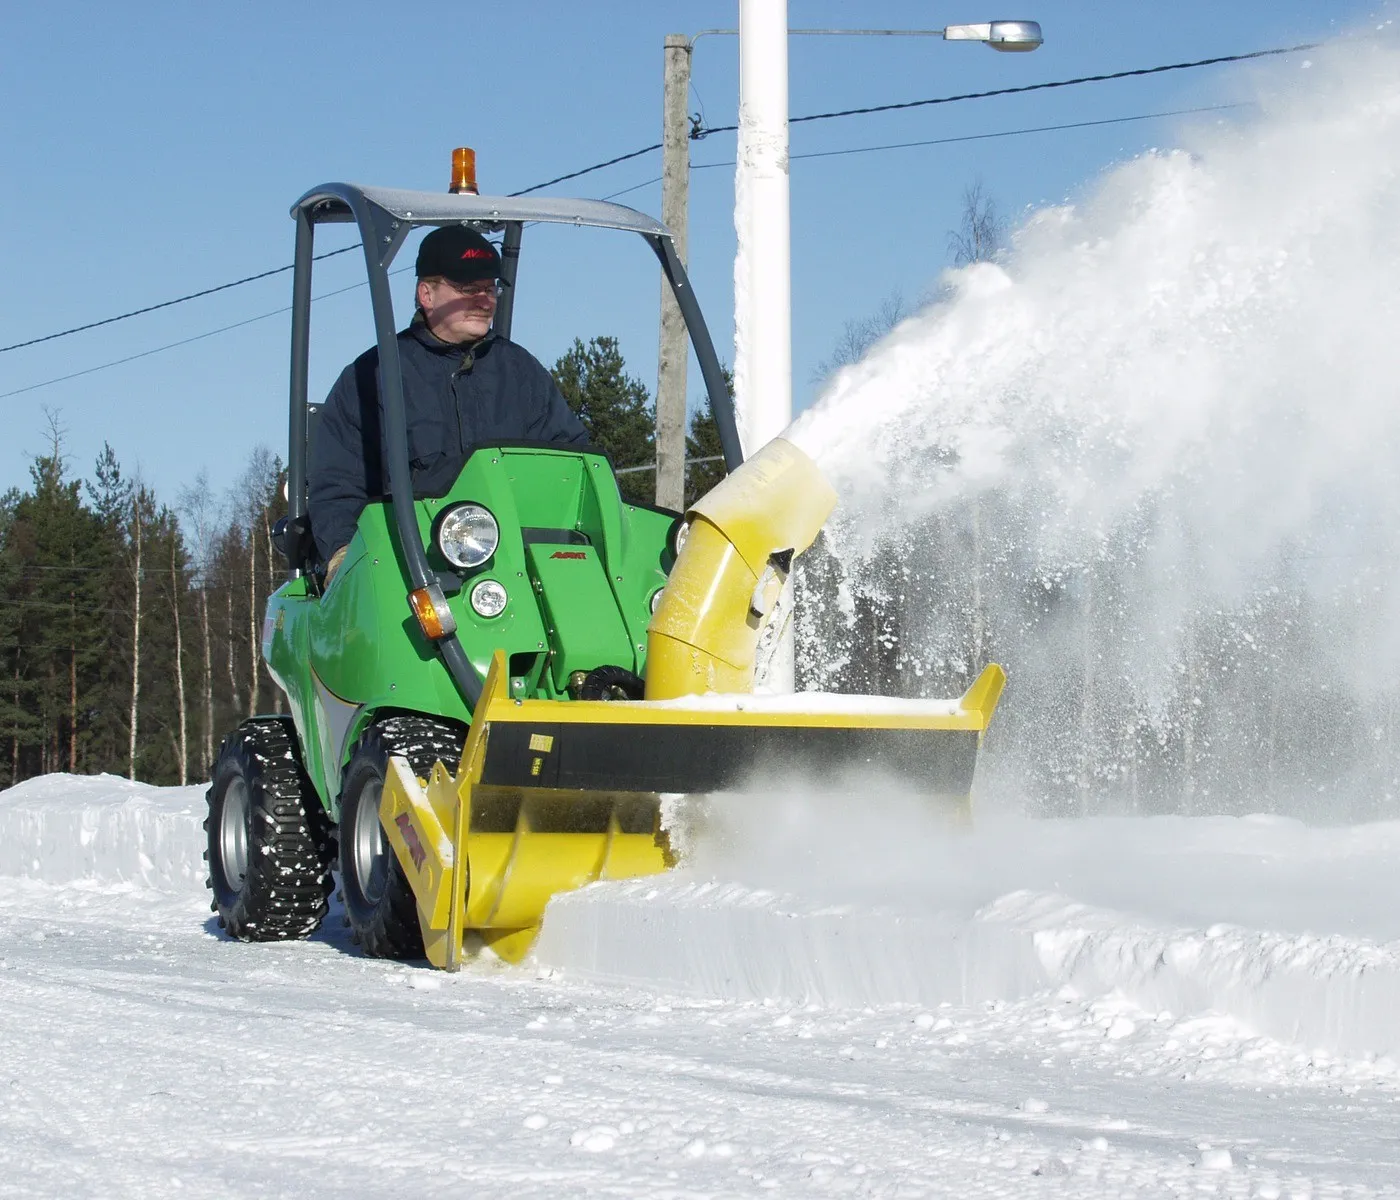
389	929
284	893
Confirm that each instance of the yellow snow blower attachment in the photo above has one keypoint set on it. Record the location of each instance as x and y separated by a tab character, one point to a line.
551	795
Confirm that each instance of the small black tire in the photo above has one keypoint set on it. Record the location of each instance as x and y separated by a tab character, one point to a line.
612	683
378	898
268	852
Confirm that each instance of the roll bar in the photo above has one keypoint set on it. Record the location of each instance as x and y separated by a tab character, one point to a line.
384	218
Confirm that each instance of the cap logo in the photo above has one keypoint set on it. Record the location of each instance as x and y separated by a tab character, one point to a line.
473	252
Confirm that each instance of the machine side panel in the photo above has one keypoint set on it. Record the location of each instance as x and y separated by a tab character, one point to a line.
285	637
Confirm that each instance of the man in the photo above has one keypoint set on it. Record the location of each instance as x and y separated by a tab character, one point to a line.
463	386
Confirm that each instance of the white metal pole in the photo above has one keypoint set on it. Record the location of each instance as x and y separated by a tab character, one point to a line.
762	268
763	265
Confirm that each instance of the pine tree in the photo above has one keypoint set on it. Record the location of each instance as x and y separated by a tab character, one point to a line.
54	671
109	501
162	746
18	724
615	408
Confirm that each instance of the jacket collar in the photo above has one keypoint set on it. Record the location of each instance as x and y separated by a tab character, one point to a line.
419	331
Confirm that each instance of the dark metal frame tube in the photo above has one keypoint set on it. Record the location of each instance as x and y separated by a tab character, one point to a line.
301	349
721	403
510	265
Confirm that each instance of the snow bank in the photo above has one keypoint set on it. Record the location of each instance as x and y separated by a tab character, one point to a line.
1334	992
64	828
1289	930
728	941
1292	931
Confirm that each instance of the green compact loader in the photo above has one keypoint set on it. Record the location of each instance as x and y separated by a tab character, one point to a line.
497	688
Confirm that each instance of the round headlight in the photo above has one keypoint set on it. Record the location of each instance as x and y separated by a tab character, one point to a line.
680	530
656	599
467	535
489	598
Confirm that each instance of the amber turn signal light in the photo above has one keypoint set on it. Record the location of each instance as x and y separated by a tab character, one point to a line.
430	607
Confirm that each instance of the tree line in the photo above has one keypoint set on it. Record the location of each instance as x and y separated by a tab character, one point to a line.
130	624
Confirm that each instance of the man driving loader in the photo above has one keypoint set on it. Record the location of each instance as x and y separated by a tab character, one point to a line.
462	386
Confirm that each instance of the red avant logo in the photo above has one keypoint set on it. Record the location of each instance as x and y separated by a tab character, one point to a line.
568	554
410	837
473	252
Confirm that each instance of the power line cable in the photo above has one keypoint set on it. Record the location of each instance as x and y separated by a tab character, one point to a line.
635	187
223	329
198	337
970	137
978	137
136	312
1031	87
651	466
612	162
698	133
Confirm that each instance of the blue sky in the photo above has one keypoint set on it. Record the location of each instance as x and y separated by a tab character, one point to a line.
154	149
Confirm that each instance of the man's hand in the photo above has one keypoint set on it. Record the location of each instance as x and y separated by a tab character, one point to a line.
334	565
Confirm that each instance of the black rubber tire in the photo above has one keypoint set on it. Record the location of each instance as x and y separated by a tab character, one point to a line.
612	683
379	904
268	847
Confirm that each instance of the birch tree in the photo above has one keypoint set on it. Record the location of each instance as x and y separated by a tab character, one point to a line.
197	508
136	540
176	591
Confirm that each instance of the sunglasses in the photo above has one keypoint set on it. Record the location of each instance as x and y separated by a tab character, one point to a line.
485	287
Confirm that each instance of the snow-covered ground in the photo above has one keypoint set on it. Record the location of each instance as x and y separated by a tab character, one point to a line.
860	1002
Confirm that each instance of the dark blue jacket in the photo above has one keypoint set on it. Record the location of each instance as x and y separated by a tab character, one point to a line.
455	399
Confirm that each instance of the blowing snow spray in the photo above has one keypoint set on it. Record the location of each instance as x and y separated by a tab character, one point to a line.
1150	458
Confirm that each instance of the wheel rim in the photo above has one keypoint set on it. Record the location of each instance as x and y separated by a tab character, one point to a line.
367	849
233	834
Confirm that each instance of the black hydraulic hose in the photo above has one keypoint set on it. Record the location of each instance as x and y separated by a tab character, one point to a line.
721	403
401	497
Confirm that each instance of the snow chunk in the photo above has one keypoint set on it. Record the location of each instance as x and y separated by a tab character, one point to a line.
1215	1159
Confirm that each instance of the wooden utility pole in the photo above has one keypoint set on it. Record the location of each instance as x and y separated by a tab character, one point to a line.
675	201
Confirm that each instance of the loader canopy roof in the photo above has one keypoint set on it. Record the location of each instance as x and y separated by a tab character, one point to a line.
330	202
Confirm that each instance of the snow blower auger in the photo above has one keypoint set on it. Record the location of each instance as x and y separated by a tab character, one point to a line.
566	659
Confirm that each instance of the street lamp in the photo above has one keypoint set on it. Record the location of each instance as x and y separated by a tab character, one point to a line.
1010	36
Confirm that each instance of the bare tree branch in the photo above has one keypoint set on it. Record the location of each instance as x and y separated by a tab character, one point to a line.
857	336
981	232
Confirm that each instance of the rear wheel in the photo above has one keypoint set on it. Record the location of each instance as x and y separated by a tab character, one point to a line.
269	865
379	904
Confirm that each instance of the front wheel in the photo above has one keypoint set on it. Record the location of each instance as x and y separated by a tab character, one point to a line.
269	868
379	904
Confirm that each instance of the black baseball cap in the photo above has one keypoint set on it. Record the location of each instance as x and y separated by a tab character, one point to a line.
458	253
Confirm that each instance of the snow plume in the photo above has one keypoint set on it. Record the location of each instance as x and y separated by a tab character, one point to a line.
1151	462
